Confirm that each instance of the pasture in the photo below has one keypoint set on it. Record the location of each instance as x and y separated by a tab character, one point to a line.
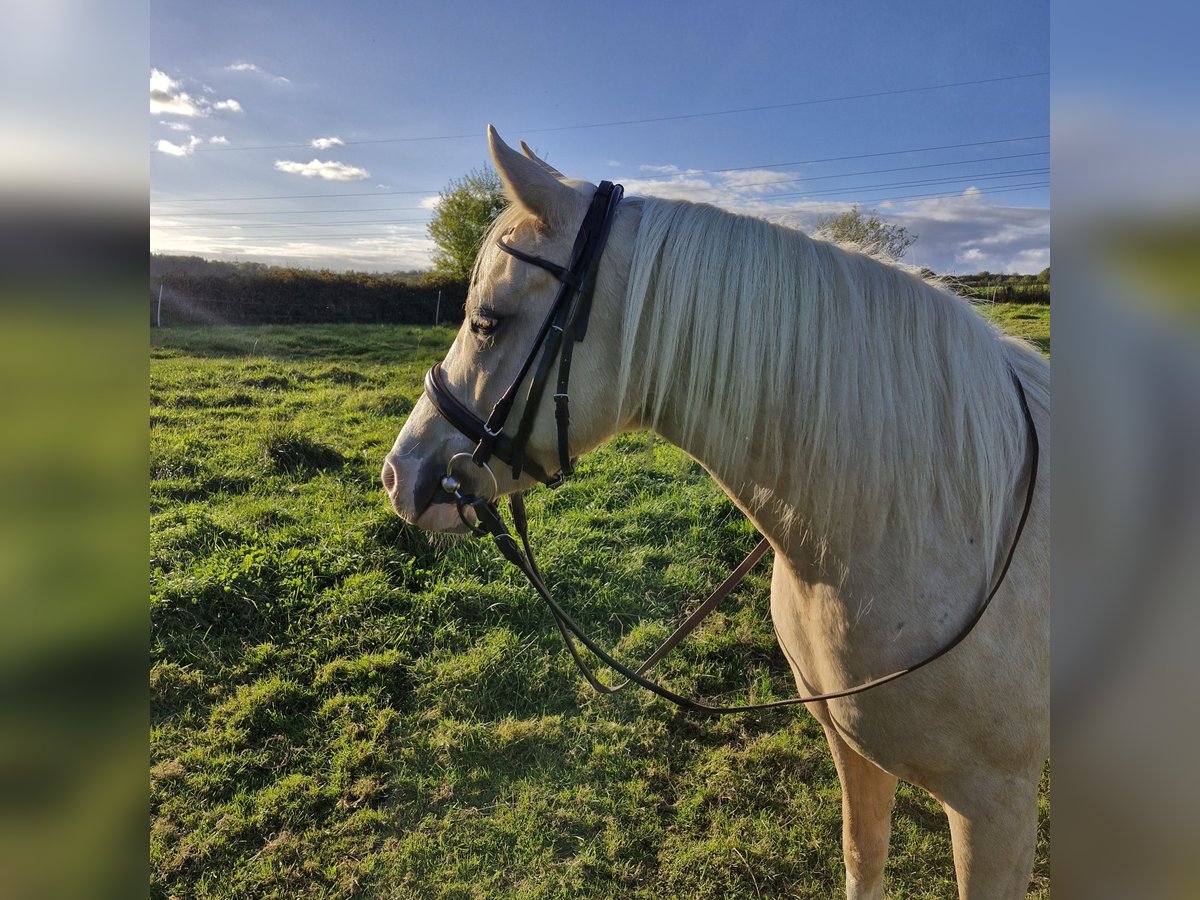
343	707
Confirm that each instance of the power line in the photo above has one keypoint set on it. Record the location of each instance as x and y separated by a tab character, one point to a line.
784	210
840	190
757	184
676	118
285	212
912	183
1000	190
301	237
806	178
294	196
192	226
809	162
906	197
802	162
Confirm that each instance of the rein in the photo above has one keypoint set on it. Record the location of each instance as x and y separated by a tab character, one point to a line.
564	326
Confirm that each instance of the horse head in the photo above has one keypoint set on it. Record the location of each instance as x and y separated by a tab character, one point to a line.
506	309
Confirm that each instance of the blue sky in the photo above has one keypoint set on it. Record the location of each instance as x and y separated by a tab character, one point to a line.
320	134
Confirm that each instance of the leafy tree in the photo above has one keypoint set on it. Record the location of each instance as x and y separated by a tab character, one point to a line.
468	206
867	231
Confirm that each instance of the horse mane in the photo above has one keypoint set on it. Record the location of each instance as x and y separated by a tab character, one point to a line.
873	395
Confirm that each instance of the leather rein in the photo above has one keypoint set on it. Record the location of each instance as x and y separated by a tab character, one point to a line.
564	326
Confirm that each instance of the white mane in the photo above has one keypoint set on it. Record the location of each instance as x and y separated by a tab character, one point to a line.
878	397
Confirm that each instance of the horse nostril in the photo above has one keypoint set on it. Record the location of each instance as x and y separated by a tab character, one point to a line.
388	476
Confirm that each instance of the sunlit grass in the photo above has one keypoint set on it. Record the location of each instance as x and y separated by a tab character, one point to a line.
342	707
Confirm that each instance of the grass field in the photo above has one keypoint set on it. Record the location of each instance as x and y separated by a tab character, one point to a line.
342	707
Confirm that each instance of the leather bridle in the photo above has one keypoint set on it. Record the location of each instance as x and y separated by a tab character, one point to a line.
564	326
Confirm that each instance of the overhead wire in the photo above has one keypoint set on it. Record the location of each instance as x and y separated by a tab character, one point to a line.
826	192
688	173
780	211
755	184
647	120
684	174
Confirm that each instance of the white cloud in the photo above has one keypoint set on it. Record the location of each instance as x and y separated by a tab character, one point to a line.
1031	261
394	247
176	126
330	171
965	232
760	181
692	187
161	82
325	143
168	98
660	170
431	202
258	70
218	139
170	149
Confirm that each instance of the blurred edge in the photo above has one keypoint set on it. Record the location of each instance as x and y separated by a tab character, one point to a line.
73	244
1126	487
74	714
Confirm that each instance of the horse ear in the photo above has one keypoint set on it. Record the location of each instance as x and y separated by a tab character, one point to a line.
527	183
529	154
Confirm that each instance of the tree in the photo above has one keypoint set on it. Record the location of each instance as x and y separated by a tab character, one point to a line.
466	209
867	231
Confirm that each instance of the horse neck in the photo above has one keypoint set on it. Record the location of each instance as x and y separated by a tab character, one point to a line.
810	467
773	500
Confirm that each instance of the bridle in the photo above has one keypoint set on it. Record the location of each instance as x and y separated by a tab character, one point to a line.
564	326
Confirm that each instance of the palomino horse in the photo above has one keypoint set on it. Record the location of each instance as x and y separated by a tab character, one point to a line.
868	424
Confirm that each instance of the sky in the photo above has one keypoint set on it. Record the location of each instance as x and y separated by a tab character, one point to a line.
321	134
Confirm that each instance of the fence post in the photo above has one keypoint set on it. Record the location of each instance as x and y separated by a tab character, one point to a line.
437	313
159	317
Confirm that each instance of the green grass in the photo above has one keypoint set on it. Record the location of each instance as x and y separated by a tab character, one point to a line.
1029	321
343	707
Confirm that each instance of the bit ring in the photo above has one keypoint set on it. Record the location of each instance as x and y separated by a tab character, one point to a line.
452	485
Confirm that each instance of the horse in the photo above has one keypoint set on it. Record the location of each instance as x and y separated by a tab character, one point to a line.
864	418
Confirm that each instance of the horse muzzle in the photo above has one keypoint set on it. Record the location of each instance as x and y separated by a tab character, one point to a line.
414	487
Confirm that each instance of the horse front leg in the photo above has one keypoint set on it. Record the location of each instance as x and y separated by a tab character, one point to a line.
868	794
993	825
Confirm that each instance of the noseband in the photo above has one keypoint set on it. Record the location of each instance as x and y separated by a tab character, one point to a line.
564	326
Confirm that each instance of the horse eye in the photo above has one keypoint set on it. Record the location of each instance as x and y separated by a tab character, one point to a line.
484	323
